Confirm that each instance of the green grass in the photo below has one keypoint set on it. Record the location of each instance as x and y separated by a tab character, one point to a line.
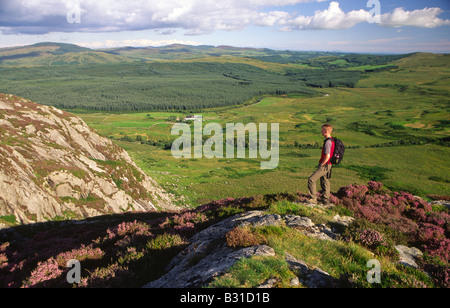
8	219
345	261
249	273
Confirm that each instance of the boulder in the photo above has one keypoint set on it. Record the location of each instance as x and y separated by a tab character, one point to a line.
310	277
208	256
306	226
408	255
344	221
294	221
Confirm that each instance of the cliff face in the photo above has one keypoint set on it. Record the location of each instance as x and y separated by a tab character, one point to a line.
53	166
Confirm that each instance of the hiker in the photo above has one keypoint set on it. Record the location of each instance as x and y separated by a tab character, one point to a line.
323	171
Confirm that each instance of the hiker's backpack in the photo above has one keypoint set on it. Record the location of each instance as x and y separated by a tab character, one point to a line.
338	153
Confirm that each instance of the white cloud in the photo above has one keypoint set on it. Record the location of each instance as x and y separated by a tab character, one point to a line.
272	18
425	18
332	18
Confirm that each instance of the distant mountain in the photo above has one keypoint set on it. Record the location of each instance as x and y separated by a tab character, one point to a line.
55	54
47	53
53	166
186	52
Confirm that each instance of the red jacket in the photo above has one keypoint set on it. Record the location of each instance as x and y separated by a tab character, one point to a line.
322	157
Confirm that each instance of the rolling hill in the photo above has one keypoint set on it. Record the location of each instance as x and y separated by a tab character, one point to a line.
48	54
45	54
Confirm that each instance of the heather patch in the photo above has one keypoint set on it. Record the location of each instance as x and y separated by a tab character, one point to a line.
405	218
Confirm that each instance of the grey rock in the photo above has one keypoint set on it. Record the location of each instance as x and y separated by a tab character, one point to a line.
318	279
408	255
208	257
294	221
441	202
269	283
299	267
306	226
343	220
295	282
311	278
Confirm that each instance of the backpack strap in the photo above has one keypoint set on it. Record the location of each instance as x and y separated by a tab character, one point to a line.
331	138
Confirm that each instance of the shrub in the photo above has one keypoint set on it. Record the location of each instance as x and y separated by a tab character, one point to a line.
353	191
438	197
44	273
438	248
80	254
243	237
428	232
375	186
113	275
370	238
134	228
437	270
257	202
165	241
187	221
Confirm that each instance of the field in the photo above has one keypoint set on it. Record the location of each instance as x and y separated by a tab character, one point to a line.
395	124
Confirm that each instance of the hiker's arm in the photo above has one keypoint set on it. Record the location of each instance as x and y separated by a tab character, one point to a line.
327	152
327	158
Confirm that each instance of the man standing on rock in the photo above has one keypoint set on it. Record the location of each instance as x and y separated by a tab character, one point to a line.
323	171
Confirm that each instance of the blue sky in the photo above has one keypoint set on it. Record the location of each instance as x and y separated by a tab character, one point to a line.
322	25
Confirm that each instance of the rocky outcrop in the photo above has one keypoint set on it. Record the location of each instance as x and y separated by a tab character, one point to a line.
53	166
208	255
